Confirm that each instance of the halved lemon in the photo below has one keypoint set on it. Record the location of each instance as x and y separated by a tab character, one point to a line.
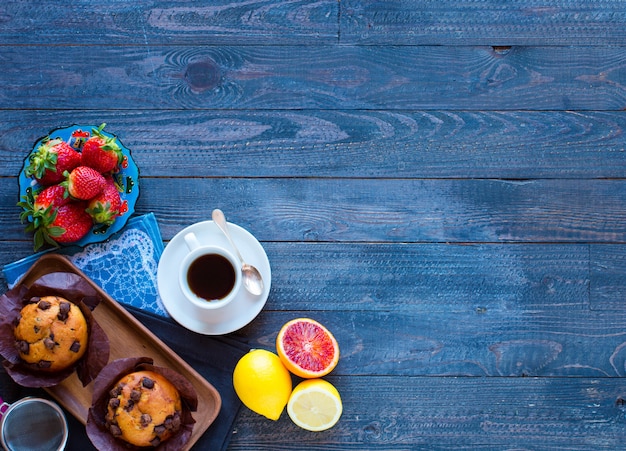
315	405
262	383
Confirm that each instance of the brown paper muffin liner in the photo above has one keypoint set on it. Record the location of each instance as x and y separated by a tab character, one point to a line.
75	289
106	380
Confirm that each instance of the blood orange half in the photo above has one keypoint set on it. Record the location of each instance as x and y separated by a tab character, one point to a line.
307	348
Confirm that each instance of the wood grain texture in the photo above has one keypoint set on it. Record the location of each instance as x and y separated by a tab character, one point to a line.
165	22
472	327
550	341
442	184
430	278
399	210
438	278
450	22
433	278
398	144
365	210
608	285
487	22
326	77
458	414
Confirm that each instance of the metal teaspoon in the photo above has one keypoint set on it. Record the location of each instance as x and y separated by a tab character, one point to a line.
252	279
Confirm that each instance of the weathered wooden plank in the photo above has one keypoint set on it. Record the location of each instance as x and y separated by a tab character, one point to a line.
448	329
398	144
427	278
423	278
557	341
523	339
399	210
486	22
382	210
165	22
302	77
387	413
608	284
434	278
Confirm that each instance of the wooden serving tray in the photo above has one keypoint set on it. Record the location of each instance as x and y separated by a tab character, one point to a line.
128	338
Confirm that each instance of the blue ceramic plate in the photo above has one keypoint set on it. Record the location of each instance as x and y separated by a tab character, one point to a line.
127	178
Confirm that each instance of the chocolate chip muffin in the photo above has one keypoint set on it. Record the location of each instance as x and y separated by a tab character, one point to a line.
51	333
144	409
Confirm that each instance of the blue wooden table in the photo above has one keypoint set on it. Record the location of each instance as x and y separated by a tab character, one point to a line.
441	183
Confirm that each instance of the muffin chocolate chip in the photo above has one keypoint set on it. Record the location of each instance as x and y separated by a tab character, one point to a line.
115	392
48	342
75	346
44	305
23	346
64	309
147	382
135	395
114	403
44	364
115	430
145	419
176	421
172	422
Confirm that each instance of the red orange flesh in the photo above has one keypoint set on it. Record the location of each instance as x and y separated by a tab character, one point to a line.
307	348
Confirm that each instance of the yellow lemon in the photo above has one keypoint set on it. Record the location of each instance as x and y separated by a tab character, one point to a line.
262	383
315	405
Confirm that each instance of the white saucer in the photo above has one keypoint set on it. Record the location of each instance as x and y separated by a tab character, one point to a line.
234	315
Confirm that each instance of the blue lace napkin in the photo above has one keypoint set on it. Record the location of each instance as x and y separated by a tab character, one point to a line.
124	266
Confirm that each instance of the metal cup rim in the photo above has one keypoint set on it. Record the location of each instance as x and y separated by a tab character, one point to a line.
26	400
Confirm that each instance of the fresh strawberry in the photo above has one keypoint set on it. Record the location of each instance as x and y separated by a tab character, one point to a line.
39	208
53	195
73	220
51	159
83	183
105	207
101	152
54	218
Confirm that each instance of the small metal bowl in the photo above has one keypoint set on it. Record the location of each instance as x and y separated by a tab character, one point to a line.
33	423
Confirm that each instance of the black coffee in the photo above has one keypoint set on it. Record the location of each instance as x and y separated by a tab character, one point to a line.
211	277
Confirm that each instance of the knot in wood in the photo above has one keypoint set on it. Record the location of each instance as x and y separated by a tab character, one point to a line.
202	75
372	430
501	49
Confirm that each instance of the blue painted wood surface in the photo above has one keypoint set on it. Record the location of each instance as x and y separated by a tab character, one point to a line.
441	183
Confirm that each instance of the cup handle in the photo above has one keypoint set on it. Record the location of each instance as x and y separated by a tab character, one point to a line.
192	241
4	406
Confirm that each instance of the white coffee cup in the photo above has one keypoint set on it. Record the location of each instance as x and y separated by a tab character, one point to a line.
209	275
33	423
